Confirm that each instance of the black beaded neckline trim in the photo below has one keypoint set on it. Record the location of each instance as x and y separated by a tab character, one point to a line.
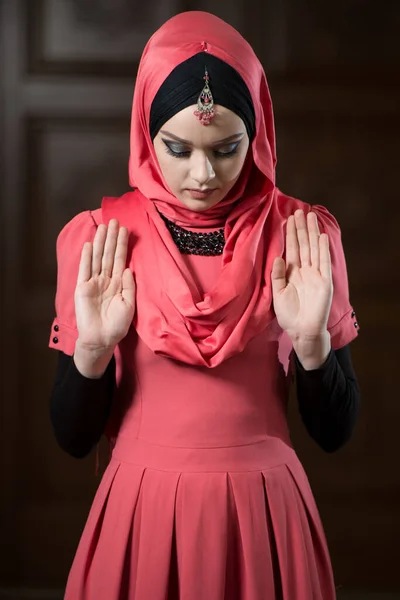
193	242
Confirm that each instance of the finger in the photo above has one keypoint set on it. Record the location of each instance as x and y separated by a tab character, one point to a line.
302	237
292	245
85	264
107	262
278	275
325	257
121	252
128	287
98	248
313	235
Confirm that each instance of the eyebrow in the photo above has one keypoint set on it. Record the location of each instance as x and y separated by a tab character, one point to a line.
231	138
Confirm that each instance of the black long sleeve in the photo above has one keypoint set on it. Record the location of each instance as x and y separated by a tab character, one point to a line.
79	406
329	399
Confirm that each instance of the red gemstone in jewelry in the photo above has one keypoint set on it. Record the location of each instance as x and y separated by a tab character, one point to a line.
205	103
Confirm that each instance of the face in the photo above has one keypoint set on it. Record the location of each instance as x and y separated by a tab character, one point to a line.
201	163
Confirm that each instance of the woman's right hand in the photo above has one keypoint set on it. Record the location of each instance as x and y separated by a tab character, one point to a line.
104	298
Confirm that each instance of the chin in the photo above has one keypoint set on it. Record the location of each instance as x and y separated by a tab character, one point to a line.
199	205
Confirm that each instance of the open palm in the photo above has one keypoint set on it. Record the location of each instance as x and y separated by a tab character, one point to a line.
302	286
104	295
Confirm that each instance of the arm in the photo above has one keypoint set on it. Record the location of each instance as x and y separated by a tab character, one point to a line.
100	308
80	406
329	399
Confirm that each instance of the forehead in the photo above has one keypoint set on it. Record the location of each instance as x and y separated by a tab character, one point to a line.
185	125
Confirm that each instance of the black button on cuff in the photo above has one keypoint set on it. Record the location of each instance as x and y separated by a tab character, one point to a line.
56	328
353	314
356	324
55	340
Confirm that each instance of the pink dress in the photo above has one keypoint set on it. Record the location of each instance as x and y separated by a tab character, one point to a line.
204	497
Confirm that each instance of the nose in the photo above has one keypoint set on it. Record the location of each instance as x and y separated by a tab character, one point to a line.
201	169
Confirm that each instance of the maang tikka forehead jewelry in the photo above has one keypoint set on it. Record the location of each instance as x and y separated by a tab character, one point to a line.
205	103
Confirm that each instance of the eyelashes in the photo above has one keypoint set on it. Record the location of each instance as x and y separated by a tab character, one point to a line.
172	150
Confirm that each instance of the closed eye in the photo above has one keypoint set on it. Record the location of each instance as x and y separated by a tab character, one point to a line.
180	151
176	150
227	151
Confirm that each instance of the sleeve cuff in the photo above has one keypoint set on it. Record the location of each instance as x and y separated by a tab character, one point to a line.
62	337
345	331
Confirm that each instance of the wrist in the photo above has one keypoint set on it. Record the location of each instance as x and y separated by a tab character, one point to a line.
312	350
92	361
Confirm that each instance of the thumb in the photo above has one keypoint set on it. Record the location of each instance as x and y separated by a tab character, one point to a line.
278	275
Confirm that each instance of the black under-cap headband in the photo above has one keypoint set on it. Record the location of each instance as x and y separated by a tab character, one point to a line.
184	84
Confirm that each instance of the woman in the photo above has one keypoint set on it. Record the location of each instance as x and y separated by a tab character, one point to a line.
194	299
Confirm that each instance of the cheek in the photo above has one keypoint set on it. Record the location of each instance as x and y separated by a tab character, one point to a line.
230	170
171	171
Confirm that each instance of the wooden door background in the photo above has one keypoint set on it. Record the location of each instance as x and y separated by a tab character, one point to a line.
67	76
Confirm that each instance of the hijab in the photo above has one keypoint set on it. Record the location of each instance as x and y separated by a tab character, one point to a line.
172	317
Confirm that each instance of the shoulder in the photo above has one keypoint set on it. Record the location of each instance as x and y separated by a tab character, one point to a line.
127	208
287	205
82	227
327	221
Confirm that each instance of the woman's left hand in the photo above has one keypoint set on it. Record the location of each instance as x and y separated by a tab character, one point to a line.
302	287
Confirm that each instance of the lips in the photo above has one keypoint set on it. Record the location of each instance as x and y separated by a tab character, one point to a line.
201	194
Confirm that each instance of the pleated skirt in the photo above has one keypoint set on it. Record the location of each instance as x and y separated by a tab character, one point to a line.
235	523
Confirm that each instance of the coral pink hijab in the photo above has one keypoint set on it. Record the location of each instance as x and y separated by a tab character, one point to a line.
172	317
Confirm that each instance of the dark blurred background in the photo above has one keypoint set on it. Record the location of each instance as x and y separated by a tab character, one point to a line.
67	74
